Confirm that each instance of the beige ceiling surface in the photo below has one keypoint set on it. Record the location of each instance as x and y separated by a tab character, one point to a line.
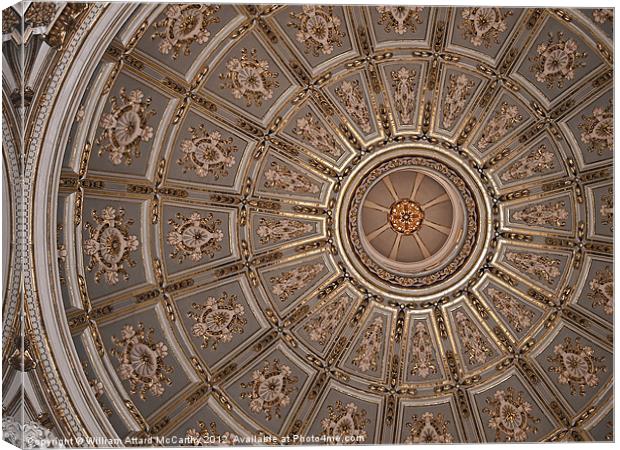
213	265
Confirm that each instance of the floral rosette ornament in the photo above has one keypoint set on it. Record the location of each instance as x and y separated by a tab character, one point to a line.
125	127
429	429
400	18
347	423
142	361
195	237
249	78
110	245
597	130
483	25
576	365
270	388
602	290
556	61
207	153
318	29
183	26
511	416
217	320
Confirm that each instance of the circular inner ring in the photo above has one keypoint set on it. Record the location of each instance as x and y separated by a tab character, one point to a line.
412	221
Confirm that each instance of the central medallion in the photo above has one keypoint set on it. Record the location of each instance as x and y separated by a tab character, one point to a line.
412	221
405	216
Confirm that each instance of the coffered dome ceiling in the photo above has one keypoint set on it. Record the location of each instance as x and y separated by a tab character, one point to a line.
389	223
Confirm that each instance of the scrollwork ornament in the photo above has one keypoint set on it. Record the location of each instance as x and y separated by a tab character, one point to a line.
195	236
207	153
125	127
576	365
141	361
318	29
217	320
270	389
184	25
110	245
250	78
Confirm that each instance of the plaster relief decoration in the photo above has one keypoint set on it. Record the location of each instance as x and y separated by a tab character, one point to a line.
428	429
483	26
217	320
404	84
510	416
319	138
504	120
284	178
183	26
265	224
125	127
249	78
423	361
318	29
400	19
207	153
459	90
350	96
556	60
110	245
195	236
141	361
602	290
597	130
346	423
536	162
576	365
270	389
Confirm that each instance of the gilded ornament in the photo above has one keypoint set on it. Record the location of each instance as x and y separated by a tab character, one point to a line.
352	99
195	237
345	423
477	348
311	131
518	315
278	230
428	429
576	365
287	283
322	324
423	363
597	130
511	416
281	177
552	214
400	18
403	83
183	26
455	99
207	153
542	267
500	124
367	354
125	127
270	388
602	290
537	162
483	25
110	245
217	320
249	78
318	29
142	361
556	60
